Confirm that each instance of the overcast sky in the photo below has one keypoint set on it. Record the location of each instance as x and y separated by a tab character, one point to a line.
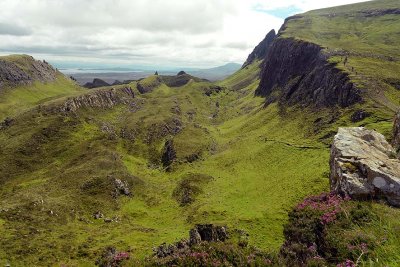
197	33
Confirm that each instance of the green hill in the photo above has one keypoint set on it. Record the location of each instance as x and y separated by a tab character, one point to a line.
26	82
156	162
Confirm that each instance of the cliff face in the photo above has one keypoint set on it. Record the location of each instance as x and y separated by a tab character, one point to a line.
261	49
23	69
302	74
96	99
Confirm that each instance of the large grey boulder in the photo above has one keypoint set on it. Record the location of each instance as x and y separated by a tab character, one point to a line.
364	166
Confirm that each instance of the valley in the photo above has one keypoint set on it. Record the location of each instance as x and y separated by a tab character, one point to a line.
136	165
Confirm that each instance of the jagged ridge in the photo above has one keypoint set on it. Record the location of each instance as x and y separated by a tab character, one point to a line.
96	99
23	69
261	49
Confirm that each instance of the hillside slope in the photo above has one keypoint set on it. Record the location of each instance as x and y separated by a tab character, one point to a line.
26	82
134	166
339	55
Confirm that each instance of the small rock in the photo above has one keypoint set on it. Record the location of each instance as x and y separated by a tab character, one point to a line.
98	215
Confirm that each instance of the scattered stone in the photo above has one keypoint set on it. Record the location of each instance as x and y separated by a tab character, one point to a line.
108	220
98	215
363	166
121	188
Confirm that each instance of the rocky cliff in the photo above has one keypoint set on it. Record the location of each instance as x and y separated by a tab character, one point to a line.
364	166
95	99
301	74
23	69
260	51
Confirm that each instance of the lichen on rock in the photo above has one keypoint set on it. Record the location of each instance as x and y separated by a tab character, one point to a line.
363	166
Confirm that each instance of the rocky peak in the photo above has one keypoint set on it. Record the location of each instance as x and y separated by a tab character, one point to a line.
261	49
23	69
181	73
364	166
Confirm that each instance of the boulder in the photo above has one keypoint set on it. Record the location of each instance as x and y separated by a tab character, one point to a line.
363	166
207	233
396	134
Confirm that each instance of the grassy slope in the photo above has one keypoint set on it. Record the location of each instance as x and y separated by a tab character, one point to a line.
262	163
15	100
262	160
371	43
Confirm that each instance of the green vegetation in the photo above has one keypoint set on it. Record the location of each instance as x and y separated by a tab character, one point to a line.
363	40
14	101
326	230
238	162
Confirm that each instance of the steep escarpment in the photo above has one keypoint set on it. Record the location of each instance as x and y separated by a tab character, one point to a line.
96	99
301	74
261	49
23	69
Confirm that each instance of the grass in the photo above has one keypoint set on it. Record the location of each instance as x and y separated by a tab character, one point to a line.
370	43
56	171
245	148
15	101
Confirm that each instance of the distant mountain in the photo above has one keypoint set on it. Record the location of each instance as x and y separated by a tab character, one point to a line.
217	73
110	75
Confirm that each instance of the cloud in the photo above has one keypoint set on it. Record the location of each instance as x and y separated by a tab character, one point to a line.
199	33
15	30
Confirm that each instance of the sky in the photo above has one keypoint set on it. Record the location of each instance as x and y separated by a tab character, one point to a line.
164	33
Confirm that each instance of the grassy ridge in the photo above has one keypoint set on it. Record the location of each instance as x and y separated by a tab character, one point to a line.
367	35
56	171
262	162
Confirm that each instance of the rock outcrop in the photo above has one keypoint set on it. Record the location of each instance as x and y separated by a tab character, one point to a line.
200	233
363	166
95	99
260	51
168	155
301	74
23	69
396	134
